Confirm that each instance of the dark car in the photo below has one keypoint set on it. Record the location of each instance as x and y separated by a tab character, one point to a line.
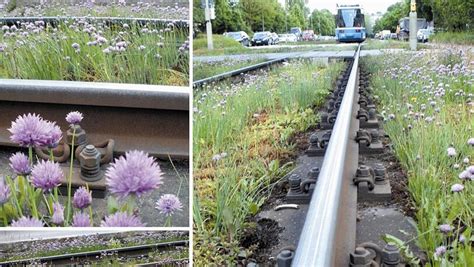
262	38
240	37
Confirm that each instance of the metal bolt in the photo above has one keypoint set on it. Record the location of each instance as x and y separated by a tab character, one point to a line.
390	255
295	182
363	171
80	137
372	114
360	257
89	159
324	117
313	140
284	258
313	173
374	134
379	171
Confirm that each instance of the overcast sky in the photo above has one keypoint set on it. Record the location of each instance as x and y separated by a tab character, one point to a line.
370	6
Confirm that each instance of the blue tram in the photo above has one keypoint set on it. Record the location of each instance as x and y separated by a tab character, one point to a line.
350	24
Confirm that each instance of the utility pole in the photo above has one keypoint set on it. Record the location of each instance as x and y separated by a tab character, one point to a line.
413	25
263	23
208	16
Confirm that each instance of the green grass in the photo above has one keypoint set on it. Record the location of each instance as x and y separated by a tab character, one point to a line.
49	55
460	38
421	145
253	125
203	70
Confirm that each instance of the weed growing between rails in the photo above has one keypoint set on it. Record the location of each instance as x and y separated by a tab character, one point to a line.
242	147
31	198
77	50
203	70
429	115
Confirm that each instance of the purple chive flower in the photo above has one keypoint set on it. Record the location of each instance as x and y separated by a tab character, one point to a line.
4	192
445	228
46	175
76	46
121	219
168	204
457	188
470	141
440	251
27	222
20	164
74	117
136	173
82	198
30	130
54	134
462	239
451	152
58	213
81	219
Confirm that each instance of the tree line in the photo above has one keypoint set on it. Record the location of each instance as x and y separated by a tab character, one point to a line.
269	15
452	15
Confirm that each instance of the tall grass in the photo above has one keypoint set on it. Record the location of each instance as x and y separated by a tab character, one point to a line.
242	147
460	38
432	113
49	55
203	70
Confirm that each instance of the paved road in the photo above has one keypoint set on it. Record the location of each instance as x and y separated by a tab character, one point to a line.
28	235
308	54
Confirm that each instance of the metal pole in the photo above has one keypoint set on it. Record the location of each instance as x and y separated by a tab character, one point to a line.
413	25
317	244
210	44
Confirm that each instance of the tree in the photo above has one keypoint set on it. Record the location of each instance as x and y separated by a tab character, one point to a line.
323	22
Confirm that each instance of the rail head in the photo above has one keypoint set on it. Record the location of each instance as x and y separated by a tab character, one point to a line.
95	94
236	72
318	237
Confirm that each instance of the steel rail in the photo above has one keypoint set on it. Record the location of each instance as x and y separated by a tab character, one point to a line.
154	119
317	243
236	72
113	20
90	254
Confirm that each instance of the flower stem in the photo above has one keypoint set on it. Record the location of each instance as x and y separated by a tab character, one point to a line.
68	216
12	185
168	222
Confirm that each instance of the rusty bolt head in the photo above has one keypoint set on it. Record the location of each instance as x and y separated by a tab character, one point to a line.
89	157
363	171
361	256
80	137
294	180
391	254
313	173
313	139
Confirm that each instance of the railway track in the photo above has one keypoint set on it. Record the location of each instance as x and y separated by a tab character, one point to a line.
330	180
133	252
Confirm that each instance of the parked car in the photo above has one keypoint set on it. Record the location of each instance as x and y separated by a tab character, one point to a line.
393	36
308	35
275	38
288	38
240	37
423	35
297	32
262	38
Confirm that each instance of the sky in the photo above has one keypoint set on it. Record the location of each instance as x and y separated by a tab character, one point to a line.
370	6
